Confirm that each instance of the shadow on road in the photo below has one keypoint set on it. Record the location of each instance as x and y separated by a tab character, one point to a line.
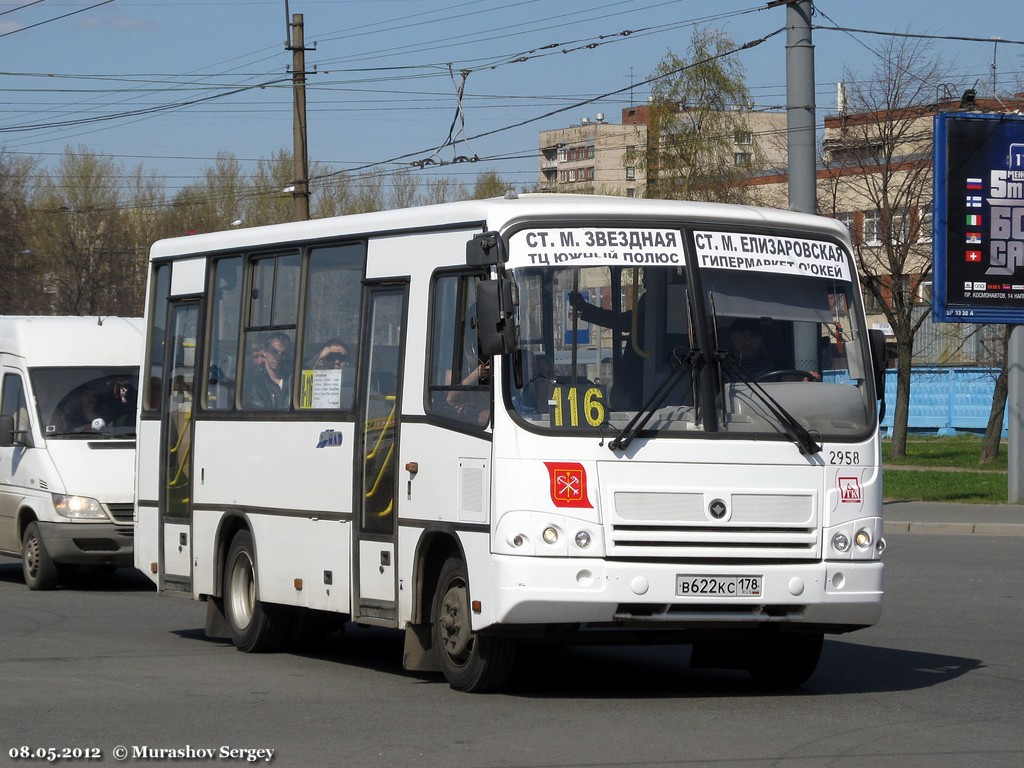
80	578
650	671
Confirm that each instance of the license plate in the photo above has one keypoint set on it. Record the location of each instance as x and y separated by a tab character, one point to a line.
718	586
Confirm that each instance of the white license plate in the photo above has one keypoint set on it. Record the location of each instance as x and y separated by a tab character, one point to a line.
718	586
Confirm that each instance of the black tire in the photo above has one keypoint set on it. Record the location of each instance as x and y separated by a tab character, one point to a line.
785	660
256	627
471	662
40	572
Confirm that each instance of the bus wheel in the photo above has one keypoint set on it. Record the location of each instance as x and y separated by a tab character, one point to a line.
784	659
255	626
471	662
36	564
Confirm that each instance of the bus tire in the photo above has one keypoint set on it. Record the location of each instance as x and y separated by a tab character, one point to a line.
40	572
785	659
471	662
255	627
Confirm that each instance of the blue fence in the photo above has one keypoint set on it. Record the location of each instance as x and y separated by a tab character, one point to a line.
945	400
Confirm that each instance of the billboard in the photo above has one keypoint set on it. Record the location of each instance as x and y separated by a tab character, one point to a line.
978	218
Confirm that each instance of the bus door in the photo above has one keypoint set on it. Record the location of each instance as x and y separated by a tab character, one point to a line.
176	446
376	571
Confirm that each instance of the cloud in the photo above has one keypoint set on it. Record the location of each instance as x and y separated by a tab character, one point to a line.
9	26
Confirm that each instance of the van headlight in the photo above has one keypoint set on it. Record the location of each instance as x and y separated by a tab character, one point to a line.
78	507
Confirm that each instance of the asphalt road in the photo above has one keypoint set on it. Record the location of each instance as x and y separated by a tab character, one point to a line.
105	663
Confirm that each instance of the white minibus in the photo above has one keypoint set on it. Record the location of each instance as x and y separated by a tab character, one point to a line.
549	419
68	407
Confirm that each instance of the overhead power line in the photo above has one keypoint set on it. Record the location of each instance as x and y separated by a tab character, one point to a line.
132	112
55	18
919	36
576	105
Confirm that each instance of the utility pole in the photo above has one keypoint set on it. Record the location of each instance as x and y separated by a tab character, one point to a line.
800	129
300	153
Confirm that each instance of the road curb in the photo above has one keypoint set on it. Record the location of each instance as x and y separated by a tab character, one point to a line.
984	529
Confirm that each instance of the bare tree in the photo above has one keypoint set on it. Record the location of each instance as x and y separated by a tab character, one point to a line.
994	428
80	242
17	290
443	189
879	166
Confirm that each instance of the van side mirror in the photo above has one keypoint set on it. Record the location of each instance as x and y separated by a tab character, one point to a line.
495	326
10	436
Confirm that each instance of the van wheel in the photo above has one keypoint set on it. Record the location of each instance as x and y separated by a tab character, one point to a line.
40	571
471	662
255	626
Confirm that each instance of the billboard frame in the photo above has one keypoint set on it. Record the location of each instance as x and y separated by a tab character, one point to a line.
956	172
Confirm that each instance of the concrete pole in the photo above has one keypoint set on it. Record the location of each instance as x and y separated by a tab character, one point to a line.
1015	417
300	159
800	107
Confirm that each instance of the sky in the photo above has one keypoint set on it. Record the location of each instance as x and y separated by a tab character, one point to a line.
168	84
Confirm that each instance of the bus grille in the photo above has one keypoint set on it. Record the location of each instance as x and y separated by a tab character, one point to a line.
122	513
682	526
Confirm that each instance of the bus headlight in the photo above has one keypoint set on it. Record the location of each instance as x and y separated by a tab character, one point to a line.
583	539
78	507
862	539
550	535
841	542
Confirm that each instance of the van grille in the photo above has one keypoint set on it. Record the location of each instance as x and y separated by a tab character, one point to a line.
122	513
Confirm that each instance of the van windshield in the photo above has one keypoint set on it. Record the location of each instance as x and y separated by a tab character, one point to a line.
86	400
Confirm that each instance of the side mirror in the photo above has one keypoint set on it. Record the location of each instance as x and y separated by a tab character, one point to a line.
879	359
486	250
495	326
6	431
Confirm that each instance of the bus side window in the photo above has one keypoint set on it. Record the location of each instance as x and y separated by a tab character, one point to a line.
459	386
268	373
222	372
332	308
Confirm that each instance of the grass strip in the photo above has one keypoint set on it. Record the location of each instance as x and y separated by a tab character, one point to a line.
939	485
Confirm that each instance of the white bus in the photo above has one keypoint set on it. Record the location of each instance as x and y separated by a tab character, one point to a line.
544	419
68	405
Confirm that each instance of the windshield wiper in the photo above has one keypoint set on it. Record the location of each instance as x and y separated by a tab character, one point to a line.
647	410
794	429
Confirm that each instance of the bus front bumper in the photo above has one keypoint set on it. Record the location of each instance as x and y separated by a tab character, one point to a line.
832	596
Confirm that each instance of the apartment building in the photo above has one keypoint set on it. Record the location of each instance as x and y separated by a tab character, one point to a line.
600	157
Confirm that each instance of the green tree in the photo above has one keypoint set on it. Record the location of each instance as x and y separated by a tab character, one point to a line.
489	184
698	107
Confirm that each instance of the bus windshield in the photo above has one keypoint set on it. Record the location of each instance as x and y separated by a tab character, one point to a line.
766	346
597	343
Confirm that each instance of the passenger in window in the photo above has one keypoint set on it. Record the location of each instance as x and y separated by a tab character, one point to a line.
540	385
748	353
333	355
473	405
626	391
269	384
81	413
